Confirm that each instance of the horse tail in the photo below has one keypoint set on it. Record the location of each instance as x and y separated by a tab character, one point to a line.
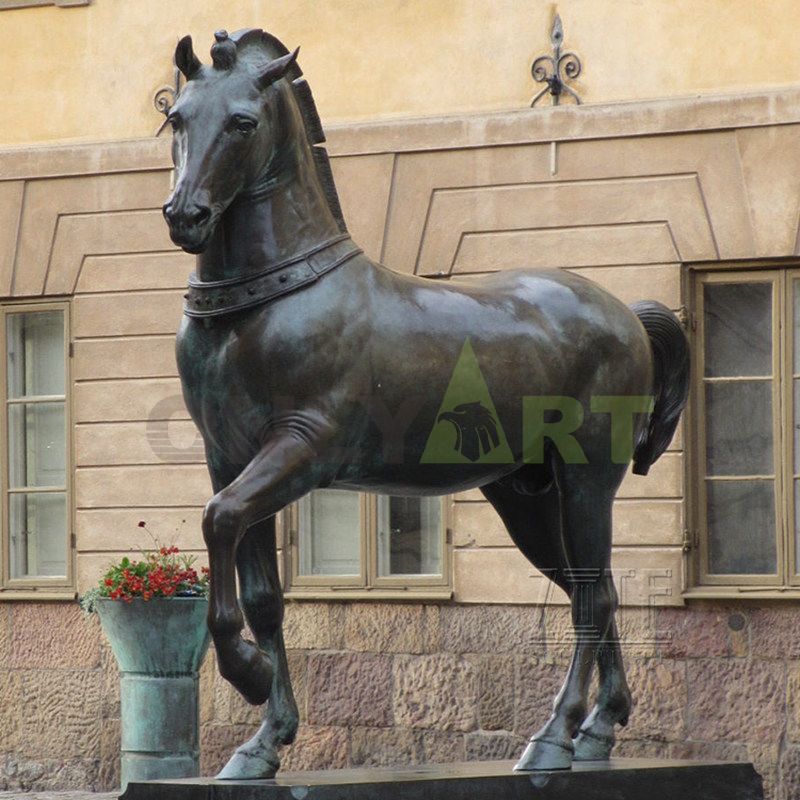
670	350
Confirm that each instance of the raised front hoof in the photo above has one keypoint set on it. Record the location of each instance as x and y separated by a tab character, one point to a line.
541	754
592	748
247	765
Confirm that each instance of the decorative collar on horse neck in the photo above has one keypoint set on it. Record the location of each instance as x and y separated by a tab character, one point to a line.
217	298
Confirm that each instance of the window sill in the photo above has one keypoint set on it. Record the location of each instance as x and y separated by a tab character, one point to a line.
378	595
746	593
39	595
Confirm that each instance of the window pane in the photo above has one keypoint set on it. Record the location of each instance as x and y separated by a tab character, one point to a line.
739	428
38	529
409	535
330	533
35	358
36	445
738	329
741	527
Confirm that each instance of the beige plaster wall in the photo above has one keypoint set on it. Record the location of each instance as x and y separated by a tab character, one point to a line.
90	72
656	186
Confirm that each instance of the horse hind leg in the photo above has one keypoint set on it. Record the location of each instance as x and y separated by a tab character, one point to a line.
596	738
581	543
262	601
534	523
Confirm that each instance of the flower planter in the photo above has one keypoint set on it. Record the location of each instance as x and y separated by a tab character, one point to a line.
159	645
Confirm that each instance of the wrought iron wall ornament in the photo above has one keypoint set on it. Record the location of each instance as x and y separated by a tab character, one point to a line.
557	69
165	97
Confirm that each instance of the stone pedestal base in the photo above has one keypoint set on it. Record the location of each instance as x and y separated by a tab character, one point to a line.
620	779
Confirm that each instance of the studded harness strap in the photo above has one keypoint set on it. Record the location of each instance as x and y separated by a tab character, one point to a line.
216	298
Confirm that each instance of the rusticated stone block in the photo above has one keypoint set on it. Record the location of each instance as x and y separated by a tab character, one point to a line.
496	691
53	635
492	629
298	671
109	669
701	631
436	691
217	743
659	700
789	787
493	746
11	709
793	703
389	628
732	700
774	632
48	774
108	776
316	748
766	758
5	634
536	686
62	714
638	632
384	747
206	690
349	689
706	751
638	748
559	634
306	626
442	747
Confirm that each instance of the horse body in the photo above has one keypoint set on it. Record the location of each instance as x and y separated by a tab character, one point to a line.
389	338
304	364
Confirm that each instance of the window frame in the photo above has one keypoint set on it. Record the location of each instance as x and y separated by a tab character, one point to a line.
38	586
369	584
785	583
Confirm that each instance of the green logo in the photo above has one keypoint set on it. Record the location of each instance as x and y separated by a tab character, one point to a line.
467	429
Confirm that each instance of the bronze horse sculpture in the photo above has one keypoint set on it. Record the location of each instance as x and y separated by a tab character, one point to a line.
288	326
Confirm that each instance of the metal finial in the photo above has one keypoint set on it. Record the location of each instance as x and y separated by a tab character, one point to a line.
221	35
557	69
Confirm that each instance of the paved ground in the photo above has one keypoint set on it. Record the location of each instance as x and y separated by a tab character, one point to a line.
59	795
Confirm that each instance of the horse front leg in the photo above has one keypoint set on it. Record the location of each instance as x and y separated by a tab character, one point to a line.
262	601
280	474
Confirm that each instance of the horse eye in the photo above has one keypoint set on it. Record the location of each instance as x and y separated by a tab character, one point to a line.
243	125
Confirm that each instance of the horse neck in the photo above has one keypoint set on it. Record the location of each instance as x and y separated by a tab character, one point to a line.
272	225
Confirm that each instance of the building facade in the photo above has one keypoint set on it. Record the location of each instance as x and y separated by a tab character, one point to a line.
416	630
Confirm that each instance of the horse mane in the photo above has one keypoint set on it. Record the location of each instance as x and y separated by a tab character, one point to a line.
259	40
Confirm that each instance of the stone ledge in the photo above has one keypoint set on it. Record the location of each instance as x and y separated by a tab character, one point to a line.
623	779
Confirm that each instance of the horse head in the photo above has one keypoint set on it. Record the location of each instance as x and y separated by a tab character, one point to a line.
225	128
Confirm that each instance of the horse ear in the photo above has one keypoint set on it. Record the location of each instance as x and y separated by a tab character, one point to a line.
276	69
185	59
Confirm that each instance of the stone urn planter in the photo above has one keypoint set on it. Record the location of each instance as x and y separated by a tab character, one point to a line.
159	645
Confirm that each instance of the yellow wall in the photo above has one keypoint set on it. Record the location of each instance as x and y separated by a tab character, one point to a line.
90	72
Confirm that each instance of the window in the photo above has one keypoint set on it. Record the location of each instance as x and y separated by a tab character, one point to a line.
341	540
746	488
35	419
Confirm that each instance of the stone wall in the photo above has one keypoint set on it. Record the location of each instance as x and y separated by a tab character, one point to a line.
385	684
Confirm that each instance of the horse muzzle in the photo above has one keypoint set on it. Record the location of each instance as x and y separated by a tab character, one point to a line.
190	227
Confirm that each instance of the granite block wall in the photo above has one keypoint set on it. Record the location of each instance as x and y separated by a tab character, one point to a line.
382	684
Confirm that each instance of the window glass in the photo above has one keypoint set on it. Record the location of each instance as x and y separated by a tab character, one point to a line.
409	536
36	444
330	533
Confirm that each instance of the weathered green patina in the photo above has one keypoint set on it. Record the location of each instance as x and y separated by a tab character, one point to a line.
159	645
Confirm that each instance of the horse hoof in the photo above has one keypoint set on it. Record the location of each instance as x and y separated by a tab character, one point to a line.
541	754
244	765
589	747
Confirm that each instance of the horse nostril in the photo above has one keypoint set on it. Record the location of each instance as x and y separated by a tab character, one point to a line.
166	210
201	215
